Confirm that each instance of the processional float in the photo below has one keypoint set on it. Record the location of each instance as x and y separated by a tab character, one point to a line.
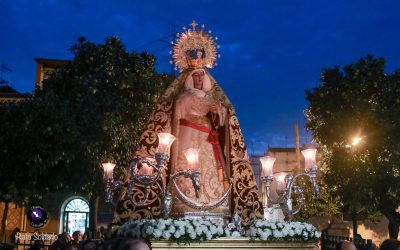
151	185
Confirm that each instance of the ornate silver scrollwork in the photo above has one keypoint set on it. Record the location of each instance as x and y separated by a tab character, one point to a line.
111	186
202	206
285	195
146	181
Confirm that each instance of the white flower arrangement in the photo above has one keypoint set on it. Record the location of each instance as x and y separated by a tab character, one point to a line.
183	230
284	231
187	230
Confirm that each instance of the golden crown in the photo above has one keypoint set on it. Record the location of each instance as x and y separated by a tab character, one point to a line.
194	48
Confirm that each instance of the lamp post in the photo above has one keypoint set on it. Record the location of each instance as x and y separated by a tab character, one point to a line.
286	185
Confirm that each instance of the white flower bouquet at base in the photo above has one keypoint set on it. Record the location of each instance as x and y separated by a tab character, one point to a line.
187	230
284	231
179	230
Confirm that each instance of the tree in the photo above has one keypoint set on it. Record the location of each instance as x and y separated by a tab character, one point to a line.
361	101
29	148
89	112
317	206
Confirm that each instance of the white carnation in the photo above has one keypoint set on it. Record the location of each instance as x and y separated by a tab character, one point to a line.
277	234
149	230
236	234
208	235
166	235
161	225
199	231
192	235
220	230
263	236
172	229
213	229
190	229
157	233
177	234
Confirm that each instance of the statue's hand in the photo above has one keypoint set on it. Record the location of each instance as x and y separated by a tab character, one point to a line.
215	107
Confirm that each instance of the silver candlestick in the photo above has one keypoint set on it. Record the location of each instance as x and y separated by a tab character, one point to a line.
287	186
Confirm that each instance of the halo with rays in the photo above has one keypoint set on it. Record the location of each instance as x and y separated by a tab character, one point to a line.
194	40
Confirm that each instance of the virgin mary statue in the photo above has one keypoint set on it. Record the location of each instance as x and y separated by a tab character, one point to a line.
198	113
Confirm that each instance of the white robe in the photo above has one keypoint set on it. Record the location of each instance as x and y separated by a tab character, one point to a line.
193	105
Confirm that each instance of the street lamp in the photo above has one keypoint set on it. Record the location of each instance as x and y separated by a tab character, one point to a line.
286	185
355	142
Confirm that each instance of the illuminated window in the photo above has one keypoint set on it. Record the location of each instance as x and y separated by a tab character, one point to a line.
76	215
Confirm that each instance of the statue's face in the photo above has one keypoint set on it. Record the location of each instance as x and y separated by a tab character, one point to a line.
198	78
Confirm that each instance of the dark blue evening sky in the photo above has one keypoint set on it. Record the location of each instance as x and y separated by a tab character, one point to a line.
271	50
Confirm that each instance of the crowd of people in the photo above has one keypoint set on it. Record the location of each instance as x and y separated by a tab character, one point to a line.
80	241
388	244
84	241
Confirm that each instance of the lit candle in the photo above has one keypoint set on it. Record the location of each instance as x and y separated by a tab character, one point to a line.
280	181
165	141
108	168
146	170
267	163
192	156
309	158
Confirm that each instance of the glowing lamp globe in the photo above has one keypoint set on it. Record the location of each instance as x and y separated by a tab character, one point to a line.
165	141
281	181
267	163
108	168
192	157
309	158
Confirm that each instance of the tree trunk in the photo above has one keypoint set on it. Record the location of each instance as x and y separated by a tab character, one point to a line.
394	219
393	229
355	226
94	207
3	223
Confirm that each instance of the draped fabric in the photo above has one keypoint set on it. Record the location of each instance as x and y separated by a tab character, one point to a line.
244	197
